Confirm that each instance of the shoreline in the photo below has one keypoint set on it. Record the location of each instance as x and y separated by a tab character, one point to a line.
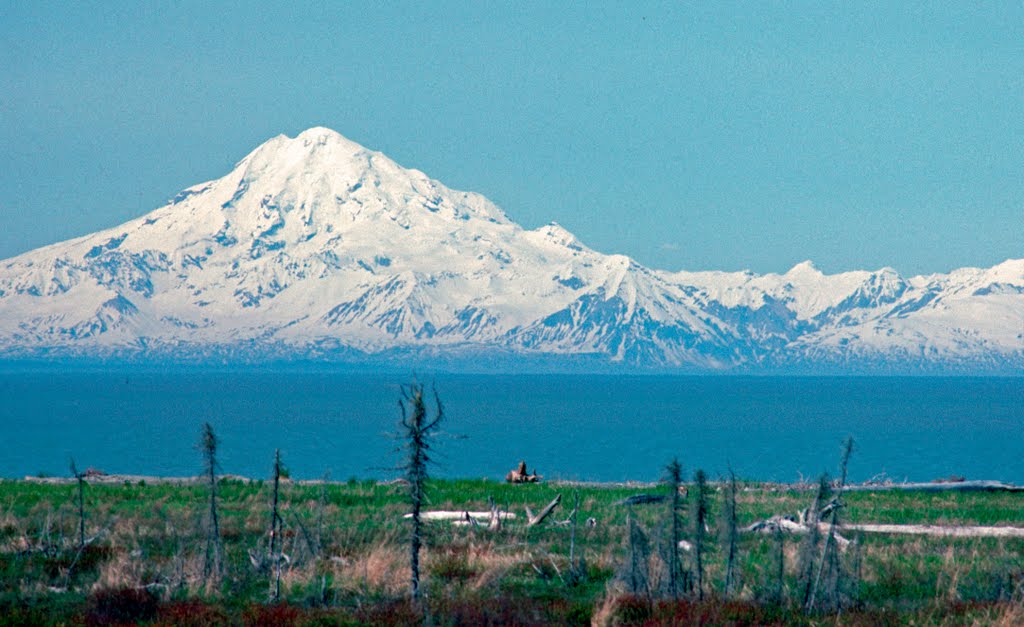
984	485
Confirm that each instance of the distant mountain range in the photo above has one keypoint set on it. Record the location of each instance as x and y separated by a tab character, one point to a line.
318	249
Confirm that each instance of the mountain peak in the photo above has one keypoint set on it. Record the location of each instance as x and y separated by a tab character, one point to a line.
310	189
315	131
327	147
314	246
321	135
804	268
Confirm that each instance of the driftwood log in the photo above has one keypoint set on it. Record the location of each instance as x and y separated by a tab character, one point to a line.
520	475
493	518
789	525
533	519
953	531
463	515
493	523
642	499
939	486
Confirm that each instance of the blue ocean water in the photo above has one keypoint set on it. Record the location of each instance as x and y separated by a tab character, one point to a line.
606	428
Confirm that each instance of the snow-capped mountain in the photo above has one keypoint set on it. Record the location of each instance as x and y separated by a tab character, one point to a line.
318	248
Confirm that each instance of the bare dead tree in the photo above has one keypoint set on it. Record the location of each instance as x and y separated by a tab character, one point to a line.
730	534
417	429
856	571
320	507
307	537
213	563
494	524
780	567
275	530
829	555
700	521
80	478
577	569
809	548
674	479
637	575
848	447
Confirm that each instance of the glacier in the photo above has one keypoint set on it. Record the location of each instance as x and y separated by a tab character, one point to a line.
317	249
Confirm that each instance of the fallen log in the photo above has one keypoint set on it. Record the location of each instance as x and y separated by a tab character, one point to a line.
779	523
939	486
568	519
951	531
462	515
473	519
642	499
948	531
774	523
537	519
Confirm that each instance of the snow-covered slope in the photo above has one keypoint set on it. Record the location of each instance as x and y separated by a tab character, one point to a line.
317	248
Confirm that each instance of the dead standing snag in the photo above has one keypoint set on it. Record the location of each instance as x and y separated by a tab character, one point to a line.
80	478
208	447
417	428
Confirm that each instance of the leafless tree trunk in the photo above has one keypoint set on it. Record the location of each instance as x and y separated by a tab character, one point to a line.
700	518
809	549
577	569
829	555
637	579
494	524
80	477
780	568
208	447
731	534
856	568
275	530
572	533
417	429
321	506
674	478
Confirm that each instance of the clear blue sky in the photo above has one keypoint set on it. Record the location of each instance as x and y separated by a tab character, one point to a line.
703	135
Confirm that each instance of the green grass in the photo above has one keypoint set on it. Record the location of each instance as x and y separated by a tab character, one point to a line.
152	534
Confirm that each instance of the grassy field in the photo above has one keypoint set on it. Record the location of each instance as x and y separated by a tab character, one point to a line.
346	545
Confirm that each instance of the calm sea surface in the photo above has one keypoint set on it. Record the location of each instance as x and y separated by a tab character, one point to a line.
607	428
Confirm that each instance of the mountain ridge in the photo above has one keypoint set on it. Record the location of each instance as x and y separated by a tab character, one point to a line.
316	247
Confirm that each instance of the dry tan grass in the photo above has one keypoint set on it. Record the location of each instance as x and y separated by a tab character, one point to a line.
384	568
125	531
607	559
791	552
487	565
604	614
946	584
298	575
605	609
1011	615
123	570
8	520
